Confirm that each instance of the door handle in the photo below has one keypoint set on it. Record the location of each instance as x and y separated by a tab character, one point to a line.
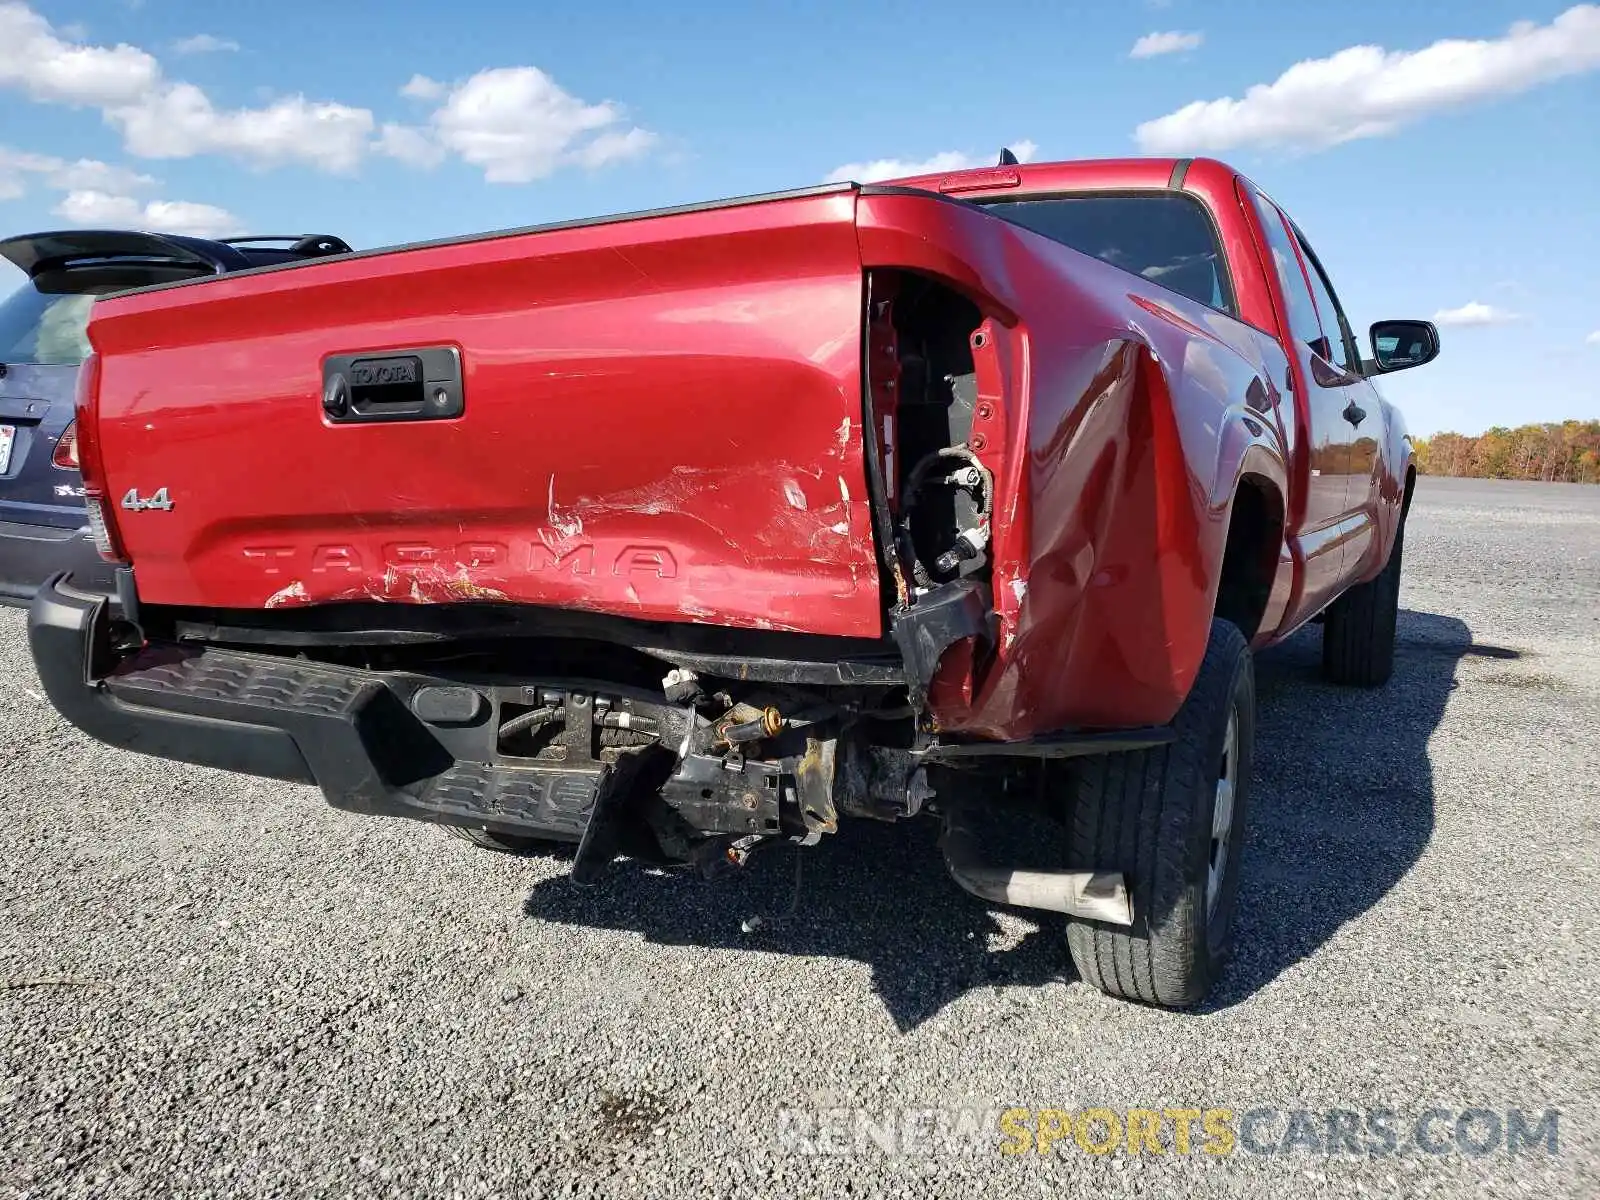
418	384
1354	413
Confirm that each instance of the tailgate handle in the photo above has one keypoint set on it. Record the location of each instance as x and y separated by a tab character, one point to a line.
420	383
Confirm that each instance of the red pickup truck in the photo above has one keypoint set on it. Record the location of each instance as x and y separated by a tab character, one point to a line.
678	535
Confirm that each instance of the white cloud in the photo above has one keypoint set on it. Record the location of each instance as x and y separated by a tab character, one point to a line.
94	208
42	65
204	43
904	168
1367	91
162	118
1474	313
1593	339
898	168
616	145
101	194
1152	44
517	124
410	145
90	173
420	87
179	121
18	168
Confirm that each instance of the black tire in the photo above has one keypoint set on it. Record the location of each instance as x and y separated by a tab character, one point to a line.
506	843
1149	814
1358	632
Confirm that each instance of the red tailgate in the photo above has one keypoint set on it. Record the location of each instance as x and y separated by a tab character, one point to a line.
661	419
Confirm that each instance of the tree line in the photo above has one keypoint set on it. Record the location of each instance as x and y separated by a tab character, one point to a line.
1568	452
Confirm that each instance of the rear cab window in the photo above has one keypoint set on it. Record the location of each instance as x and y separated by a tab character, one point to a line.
1166	237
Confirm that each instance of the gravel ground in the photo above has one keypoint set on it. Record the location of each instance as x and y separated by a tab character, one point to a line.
211	985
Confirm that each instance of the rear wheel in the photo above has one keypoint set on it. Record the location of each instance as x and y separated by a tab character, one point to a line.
1358	632
1172	820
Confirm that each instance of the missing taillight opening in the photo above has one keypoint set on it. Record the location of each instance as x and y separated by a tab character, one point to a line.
86	453
98	533
940	495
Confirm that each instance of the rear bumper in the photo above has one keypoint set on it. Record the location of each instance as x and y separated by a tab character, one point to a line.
31	554
352	733
435	748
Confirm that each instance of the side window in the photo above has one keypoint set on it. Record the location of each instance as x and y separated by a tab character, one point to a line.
1303	324
1333	322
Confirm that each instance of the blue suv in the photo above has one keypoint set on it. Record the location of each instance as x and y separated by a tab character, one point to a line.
43	527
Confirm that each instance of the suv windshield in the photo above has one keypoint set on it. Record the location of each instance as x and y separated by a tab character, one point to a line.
45	321
1163	237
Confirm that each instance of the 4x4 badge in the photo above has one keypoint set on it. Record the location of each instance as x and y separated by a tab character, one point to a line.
131	500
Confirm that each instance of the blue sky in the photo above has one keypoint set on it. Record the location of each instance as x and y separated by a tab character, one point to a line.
1443	158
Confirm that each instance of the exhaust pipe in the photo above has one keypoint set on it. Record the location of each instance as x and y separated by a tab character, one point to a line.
1095	895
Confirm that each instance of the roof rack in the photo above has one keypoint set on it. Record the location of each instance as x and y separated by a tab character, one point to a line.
309	244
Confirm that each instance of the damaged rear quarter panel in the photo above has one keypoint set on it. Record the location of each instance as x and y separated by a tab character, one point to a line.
1128	419
662	420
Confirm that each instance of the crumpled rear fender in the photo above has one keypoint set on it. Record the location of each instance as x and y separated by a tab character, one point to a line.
1131	415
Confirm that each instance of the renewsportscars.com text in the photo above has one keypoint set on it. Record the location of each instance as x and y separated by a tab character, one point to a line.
1210	1131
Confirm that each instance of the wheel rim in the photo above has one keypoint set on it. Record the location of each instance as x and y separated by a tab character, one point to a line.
1222	813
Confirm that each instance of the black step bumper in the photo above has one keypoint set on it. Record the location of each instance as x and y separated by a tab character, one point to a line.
350	732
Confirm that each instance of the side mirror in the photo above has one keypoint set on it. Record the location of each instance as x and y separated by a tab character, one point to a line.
1397	345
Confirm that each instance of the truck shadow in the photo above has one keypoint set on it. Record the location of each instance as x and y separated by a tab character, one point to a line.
1344	794
1343	806
879	895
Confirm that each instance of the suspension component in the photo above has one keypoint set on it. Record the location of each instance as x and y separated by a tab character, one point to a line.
751	729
